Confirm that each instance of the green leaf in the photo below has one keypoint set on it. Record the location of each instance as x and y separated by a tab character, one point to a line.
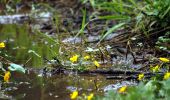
1	67
16	67
115	17
83	25
165	13
92	2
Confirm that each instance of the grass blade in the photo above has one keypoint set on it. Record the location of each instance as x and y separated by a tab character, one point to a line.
83	25
114	17
111	30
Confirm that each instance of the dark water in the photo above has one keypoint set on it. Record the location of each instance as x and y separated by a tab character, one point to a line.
58	87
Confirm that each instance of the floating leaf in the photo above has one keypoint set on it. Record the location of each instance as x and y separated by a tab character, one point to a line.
16	67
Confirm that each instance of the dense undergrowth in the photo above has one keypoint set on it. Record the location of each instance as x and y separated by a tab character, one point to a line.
146	22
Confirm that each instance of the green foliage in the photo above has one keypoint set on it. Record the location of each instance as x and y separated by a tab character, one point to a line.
83	25
150	91
8	1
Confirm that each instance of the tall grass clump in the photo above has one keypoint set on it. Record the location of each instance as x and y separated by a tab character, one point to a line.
146	19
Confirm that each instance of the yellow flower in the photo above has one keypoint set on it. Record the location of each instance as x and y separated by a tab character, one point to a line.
166	75
74	58
156	68
96	63
7	76
86	57
74	95
140	76
90	97
164	59
2	45
122	89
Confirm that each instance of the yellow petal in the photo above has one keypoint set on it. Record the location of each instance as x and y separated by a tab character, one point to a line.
164	59
166	75
2	45
74	58
140	76
156	68
122	89
96	63
86	57
74	95
90	96
7	76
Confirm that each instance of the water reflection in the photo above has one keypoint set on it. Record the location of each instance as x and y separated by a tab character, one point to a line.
58	87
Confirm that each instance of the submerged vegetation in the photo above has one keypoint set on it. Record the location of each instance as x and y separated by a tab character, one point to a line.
128	37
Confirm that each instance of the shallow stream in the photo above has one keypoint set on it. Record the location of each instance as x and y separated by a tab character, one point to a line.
35	87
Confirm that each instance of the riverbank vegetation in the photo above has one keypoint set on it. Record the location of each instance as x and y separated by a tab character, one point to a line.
122	39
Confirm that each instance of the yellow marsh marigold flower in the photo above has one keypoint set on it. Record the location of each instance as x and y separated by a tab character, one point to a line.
122	89
74	58
156	68
140	76
7	76
86	57
96	63
164	59
2	45
90	97
74	95
166	75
